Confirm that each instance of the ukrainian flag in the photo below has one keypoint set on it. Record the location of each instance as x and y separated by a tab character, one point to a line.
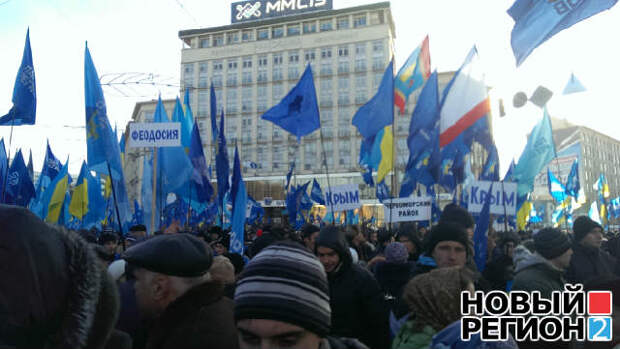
54	196
79	200
412	75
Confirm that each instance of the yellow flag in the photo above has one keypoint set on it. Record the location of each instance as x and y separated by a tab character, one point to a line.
58	198
523	216
387	154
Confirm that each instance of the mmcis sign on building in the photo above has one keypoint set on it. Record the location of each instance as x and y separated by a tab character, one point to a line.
251	10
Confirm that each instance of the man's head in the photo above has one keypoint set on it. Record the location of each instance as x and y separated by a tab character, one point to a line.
410	240
555	246
328	257
220	246
588	232
384	237
309	232
109	240
508	242
448	245
287	309
165	267
456	214
332	249
138	231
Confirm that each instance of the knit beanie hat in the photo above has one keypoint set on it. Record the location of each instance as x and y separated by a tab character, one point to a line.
457	214
446	231
286	283
582	226
396	253
551	243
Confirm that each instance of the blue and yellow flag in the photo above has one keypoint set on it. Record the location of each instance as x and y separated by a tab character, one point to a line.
54	196
79	200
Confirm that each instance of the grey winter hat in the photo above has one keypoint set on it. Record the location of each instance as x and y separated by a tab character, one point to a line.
551	243
285	282
396	253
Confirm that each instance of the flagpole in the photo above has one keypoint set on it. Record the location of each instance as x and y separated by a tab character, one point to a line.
8	161
154	191
118	215
504	204
189	203
392	190
329	187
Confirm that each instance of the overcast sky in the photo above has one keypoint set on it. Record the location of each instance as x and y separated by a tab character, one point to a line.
141	36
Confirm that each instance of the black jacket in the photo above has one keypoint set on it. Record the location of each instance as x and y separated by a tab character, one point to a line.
357	303
588	263
200	318
392	279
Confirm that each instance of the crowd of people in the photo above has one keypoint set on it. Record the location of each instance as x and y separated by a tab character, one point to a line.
316	288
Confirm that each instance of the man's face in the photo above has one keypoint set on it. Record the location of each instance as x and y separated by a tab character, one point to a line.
405	241
220	249
449	254
509	248
373	237
594	238
470	233
310	241
262	333
138	234
328	257
563	261
110	246
148	292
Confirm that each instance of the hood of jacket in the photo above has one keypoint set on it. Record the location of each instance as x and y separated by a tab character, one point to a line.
534	259
333	237
55	294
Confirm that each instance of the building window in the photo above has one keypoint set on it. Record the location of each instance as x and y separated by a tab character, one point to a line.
247	35
202	103
216	80
342	22
218	66
277	59
246	77
261	98
232	37
360	64
247	62
188	74
293	72
292	30
360	49
277	32
309	27
276	92
261	76
231	101
293	57
343	51
326	92
231	79
202	75
376	17
326	52
360	89
204	42
359	20
377	47
218	40
377	63
232	64
263	34
262	61
277	73
246	100
309	55
343	67
326	68
326	25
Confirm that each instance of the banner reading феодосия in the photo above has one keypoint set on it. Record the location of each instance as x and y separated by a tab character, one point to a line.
154	134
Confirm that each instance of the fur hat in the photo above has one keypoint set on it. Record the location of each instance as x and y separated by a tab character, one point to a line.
446	231
55	294
456	214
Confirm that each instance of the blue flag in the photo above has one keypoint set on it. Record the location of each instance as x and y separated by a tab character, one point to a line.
316	193
213	109
383	192
481	234
24	110
257	212
423	139
298	111
538	152
30	168
556	188
573	86
572	182
289	175
222	166
614	207
200	177
508	177
378	112
239	205
103	148
147	192
4	163
175	166
19	187
188	121
537	21
490	171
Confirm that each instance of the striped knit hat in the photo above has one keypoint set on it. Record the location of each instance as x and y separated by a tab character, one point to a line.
286	283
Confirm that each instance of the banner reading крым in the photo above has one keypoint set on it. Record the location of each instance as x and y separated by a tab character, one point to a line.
479	190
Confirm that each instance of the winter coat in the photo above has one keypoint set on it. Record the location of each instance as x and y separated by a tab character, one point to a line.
357	303
535	273
200	318
411	338
392	279
588	263
499	271
54	292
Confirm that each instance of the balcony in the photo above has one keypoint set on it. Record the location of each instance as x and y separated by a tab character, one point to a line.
360	67
376	66
326	102
326	71
262	78
262	137
231	82
277	137
360	99
246	81
343	101
245	108
343	69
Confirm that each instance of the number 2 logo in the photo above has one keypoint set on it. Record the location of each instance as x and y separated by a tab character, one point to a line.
599	329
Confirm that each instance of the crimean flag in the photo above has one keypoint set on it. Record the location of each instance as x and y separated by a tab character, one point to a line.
412	75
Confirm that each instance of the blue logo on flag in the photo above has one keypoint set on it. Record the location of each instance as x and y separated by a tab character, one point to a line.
599	329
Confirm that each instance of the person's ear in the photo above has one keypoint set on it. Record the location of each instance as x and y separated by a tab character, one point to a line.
160	287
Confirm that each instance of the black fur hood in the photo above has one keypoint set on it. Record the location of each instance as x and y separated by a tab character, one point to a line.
54	292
